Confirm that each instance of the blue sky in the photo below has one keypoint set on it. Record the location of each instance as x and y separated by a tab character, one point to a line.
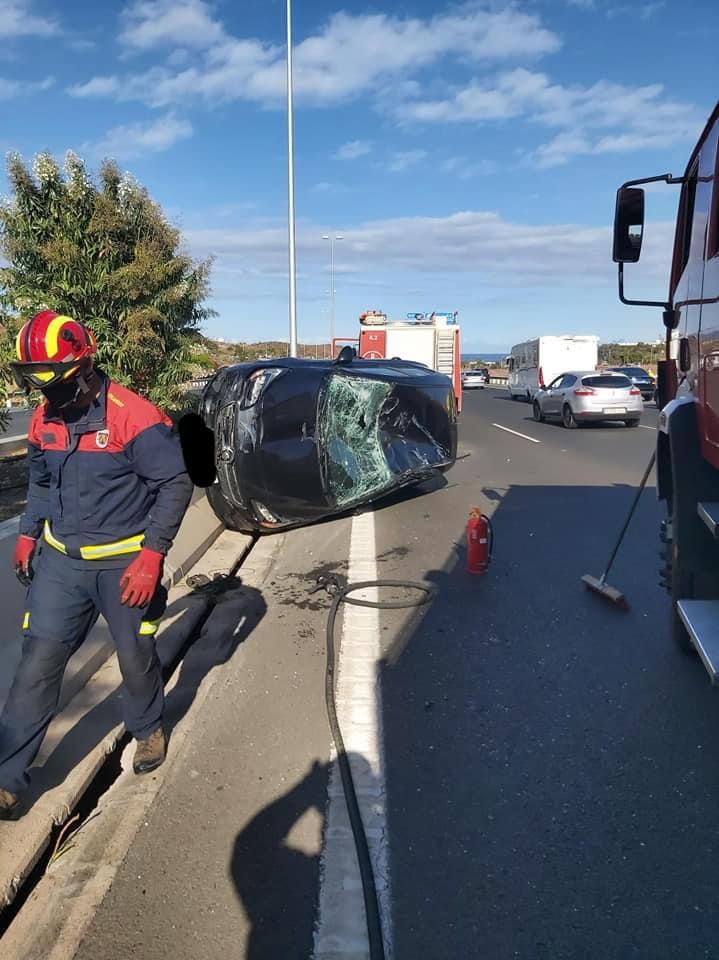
468	153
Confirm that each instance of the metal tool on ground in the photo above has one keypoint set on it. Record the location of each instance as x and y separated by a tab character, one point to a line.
600	585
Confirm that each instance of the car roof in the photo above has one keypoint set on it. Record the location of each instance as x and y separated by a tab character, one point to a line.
626	366
589	373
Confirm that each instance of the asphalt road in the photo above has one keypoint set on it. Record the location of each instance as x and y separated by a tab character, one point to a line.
550	762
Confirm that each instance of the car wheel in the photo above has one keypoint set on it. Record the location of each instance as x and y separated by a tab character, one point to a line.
632	423
537	411
568	417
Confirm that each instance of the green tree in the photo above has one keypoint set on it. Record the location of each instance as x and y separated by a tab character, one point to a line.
104	252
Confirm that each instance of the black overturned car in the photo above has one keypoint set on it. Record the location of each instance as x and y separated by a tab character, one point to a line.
294	441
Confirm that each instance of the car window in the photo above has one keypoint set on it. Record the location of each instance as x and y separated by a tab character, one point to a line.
554	385
630	371
611	380
568	380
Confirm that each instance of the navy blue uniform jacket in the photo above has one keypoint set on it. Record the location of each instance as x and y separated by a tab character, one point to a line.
115	472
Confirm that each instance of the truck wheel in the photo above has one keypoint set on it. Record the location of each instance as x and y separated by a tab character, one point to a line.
568	418
631	423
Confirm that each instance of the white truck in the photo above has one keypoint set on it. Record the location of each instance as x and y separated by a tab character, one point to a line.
535	363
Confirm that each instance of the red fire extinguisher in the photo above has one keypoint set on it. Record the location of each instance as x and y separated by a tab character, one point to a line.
480	539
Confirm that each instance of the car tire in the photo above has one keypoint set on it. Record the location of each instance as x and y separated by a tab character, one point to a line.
568	419
632	423
537	412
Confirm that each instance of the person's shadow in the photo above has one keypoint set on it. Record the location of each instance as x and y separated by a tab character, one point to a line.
276	883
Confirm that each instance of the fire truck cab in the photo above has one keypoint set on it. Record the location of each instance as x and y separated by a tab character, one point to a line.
688	388
432	339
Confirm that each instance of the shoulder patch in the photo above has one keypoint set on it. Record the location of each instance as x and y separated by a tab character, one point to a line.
129	414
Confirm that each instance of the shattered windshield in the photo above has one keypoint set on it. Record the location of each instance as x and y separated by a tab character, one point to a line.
355	463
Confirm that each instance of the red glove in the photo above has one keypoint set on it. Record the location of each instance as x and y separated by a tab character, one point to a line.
24	549
141	578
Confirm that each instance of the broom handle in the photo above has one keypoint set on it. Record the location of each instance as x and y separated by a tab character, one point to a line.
638	494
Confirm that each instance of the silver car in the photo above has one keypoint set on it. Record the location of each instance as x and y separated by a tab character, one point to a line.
577	398
474	379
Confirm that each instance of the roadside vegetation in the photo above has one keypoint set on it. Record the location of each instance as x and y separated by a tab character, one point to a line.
103	251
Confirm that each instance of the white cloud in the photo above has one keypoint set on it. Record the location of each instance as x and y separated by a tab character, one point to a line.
136	139
158	23
404	159
465	169
9	89
18	20
498	252
354	149
348	56
602	118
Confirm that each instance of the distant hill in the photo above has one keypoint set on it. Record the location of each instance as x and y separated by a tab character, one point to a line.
213	354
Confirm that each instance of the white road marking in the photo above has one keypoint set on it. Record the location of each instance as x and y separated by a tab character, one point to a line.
341	926
516	434
645	427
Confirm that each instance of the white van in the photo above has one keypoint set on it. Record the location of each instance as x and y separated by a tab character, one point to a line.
536	363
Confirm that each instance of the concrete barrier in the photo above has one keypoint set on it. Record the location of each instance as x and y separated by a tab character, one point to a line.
13	446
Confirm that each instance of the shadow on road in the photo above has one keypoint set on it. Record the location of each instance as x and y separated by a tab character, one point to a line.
277	883
551	755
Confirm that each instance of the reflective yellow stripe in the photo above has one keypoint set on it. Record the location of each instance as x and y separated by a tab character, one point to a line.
26	620
52	541
149	627
116	549
99	551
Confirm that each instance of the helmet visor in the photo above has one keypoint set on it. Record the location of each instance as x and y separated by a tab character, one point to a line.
42	375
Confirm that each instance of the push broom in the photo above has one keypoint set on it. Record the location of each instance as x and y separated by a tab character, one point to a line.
600	585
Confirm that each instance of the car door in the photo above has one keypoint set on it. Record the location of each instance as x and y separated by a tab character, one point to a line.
565	391
551	399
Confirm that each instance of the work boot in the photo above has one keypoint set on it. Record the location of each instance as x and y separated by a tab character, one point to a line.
8	805
150	753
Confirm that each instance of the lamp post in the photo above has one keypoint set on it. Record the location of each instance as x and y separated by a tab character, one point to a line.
291	191
332	240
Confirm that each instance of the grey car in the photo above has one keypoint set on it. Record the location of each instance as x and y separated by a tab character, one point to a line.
581	397
640	378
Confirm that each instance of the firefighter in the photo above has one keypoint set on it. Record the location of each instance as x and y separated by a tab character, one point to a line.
107	491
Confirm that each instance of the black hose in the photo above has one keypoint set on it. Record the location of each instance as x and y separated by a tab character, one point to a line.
341	594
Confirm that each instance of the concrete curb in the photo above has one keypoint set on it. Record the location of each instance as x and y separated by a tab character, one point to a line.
89	729
11	446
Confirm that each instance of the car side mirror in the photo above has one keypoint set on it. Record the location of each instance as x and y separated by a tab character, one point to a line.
628	225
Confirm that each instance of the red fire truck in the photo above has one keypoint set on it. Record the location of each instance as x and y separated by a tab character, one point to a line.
688	388
431	339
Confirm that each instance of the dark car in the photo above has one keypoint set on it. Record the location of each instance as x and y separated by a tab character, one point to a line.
640	378
299	440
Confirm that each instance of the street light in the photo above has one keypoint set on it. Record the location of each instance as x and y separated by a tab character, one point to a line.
291	191
326	236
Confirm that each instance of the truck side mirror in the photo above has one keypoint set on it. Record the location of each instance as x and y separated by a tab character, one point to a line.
628	225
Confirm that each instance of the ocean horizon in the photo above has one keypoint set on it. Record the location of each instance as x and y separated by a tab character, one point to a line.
489	357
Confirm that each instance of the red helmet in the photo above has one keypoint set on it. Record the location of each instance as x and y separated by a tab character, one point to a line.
52	348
